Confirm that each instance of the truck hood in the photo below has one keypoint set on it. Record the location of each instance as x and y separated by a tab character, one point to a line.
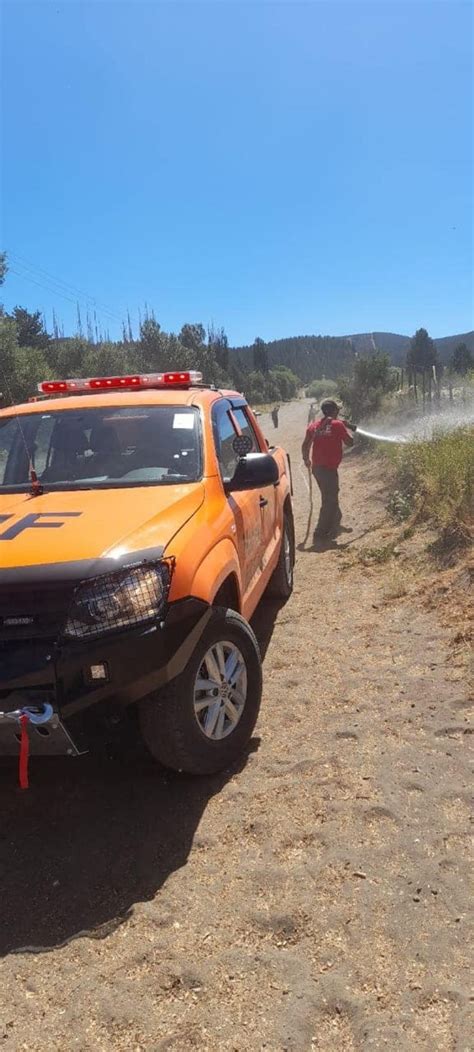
89	526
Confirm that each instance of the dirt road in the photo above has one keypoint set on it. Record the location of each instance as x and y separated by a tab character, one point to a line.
314	899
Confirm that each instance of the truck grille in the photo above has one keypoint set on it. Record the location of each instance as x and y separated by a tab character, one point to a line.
32	612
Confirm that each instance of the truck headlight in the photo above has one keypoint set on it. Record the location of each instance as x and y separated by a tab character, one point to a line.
117	600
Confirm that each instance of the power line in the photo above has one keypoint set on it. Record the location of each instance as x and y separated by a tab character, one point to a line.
59	292
65	286
104	319
40	284
68	286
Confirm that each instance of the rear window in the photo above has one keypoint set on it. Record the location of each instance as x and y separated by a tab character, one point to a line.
101	448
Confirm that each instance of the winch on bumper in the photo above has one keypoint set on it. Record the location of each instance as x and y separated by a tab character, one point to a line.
90	683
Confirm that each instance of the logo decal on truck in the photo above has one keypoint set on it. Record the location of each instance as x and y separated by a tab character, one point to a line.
33	522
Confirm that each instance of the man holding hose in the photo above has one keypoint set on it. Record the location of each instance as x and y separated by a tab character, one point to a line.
322	451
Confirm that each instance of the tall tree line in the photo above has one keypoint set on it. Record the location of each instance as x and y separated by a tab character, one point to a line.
264	372
29	354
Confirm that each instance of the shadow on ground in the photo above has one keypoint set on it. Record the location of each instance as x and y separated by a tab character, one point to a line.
90	839
263	621
320	544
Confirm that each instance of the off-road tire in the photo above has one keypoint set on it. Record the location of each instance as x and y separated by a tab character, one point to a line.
280	585
168	722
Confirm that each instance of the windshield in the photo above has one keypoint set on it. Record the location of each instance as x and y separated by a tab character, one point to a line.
103	447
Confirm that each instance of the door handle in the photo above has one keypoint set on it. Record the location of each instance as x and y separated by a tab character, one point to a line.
263	502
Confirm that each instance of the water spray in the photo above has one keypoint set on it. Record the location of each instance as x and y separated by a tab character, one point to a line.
381	438
425	428
372	434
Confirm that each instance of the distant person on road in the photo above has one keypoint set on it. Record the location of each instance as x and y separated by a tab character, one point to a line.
322	451
275	411
313	412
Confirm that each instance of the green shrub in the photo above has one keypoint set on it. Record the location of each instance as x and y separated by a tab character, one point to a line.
279	385
363	393
400	505
439	475
320	389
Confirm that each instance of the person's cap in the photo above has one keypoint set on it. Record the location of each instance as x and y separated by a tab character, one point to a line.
329	404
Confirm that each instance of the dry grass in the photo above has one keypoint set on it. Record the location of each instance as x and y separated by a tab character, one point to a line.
440	475
396	584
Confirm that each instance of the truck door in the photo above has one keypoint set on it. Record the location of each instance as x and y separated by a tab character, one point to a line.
247	507
267	495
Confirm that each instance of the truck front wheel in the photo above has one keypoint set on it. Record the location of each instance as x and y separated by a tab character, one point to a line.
280	585
202	720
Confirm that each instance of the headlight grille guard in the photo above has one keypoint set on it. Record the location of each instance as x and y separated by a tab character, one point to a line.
128	597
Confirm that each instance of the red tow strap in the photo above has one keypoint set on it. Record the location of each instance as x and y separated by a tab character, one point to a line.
24	752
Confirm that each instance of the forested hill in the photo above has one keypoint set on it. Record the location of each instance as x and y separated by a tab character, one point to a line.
330	356
446	345
306	356
397	346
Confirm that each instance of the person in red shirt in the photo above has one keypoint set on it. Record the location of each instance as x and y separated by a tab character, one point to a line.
322	450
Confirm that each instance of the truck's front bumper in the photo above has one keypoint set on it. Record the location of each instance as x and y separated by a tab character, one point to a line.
90	683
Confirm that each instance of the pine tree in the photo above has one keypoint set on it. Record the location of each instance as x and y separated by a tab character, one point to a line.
79	321
30	328
3	267
90	331
260	356
422	354
462	360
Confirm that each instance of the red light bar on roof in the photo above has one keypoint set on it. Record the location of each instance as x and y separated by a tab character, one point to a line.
117	383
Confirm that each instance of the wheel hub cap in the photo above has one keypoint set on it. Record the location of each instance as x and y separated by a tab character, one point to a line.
220	690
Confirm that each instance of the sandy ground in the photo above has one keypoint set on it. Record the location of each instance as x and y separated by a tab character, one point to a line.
315	898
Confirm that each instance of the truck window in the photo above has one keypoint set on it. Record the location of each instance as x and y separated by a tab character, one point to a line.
246	428
224	435
101	447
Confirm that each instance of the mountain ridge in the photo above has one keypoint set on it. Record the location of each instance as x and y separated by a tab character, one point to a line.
334	353
396	345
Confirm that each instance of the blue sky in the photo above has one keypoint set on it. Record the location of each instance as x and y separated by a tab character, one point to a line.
277	168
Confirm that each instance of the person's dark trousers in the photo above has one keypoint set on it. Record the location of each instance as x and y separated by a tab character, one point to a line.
330	514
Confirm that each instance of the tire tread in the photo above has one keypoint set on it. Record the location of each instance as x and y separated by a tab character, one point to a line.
174	738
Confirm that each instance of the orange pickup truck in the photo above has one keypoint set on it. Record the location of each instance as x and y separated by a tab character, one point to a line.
142	518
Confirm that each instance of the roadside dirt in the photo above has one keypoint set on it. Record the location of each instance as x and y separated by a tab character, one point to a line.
314	899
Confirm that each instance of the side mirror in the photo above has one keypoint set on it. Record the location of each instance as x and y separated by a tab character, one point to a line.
254	471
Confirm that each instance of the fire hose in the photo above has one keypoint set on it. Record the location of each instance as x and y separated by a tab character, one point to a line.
37	715
309	486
